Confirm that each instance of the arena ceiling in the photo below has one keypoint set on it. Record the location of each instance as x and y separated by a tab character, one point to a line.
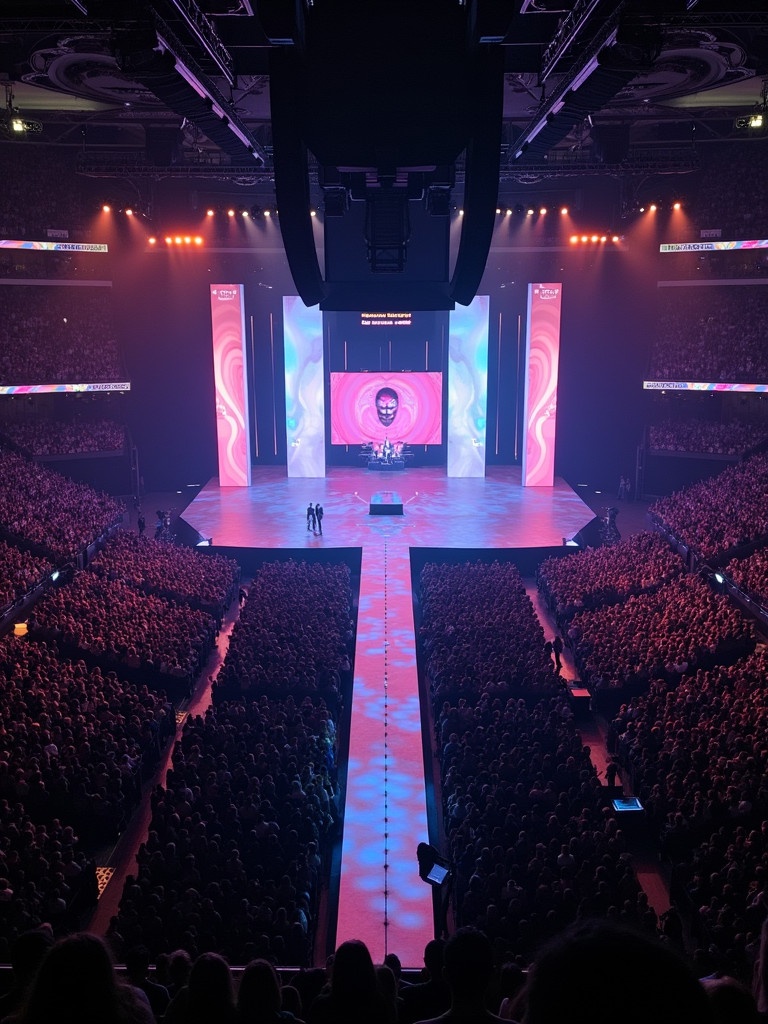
192	79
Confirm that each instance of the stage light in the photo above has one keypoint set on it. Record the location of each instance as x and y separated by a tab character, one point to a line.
177	239
563	210
594	238
187	240
129	212
603	238
574	239
245	213
509	213
676	206
198	240
461	213
615	238
267	213
152	240
530	212
106	208
653	207
209	213
313	213
585	238
642	209
498	210
543	210
756	120
230	213
168	240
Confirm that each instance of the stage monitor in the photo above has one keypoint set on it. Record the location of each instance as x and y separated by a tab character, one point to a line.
627	804
404	408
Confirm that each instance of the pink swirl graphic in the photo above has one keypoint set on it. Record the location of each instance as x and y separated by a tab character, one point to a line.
545	302
413	417
229	375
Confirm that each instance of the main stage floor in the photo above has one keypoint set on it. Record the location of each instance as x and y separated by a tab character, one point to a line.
494	511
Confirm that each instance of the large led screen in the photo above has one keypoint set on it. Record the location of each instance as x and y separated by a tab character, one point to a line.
402	407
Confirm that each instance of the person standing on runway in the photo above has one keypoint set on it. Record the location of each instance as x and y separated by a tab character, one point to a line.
311	517
319	517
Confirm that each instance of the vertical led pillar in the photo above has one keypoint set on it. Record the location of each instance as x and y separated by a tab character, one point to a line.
467	387
542	351
232	426
304	388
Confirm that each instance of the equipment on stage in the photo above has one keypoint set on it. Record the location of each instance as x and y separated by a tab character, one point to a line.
385	455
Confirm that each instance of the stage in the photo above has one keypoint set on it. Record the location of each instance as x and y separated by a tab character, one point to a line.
494	511
378	896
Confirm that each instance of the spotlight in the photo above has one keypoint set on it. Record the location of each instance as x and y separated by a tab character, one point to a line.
267	213
543	210
461	213
564	210
594	238
198	240
530	211
177	239
152	240
245	213
168	240
313	213
642	209
129	212
187	240
509	213
676	206
615	238
653	207
106	208
756	120
603	238
574	239
585	238
209	213
230	213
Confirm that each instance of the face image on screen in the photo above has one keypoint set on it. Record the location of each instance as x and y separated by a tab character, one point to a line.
400	407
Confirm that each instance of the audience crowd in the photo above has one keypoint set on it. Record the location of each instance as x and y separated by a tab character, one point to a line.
698	759
750	574
73	743
64	437
58	334
608	575
294	635
715	333
680	627
112	624
695	436
174	573
52	516
729	196
480	634
20	572
39	193
238	842
721	513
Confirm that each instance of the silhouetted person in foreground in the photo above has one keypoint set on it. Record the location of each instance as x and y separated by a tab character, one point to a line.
354	994
77	984
432	996
598	973
468	970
